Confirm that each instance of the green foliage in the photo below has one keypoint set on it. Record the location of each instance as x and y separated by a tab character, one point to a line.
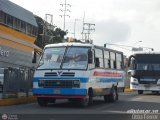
46	36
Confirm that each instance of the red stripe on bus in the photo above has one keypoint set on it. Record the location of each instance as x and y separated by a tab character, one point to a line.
106	74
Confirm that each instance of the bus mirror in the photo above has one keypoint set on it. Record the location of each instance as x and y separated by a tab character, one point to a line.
90	57
131	72
34	57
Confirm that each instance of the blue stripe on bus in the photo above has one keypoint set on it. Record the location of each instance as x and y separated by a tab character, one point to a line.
82	79
108	80
63	91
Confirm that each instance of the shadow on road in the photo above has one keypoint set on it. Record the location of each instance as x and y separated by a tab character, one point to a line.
67	104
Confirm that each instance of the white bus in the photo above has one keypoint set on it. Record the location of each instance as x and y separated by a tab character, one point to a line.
78	72
145	72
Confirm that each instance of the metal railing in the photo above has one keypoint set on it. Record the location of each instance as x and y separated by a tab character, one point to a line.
17	81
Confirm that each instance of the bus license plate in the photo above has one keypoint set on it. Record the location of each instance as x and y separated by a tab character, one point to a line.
56	91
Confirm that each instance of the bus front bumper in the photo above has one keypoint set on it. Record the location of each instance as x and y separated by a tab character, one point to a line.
60	92
149	87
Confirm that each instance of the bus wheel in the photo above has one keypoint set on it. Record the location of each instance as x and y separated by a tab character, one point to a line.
106	98
113	96
84	102
90	94
155	92
72	100
52	100
140	92
42	101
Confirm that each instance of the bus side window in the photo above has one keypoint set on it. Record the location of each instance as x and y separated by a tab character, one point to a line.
99	58
106	59
114	64
119	61
109	64
113	60
122	67
97	63
133	64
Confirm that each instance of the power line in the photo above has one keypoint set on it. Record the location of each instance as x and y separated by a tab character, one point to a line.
48	29
87	28
64	11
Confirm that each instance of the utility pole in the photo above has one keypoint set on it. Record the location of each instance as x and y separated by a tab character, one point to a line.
83	27
88	27
48	27
64	11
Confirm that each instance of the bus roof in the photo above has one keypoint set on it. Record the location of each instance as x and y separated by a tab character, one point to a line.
69	44
80	44
144	52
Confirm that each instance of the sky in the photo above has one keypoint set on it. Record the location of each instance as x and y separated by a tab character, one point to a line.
122	22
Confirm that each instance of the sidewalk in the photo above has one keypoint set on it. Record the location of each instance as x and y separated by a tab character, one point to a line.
127	90
15	101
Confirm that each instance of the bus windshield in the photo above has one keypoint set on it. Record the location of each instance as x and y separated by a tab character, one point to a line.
153	67
64	58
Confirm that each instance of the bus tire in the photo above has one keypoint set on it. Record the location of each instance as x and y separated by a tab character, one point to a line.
52	100
117	95
90	94
106	98
42	101
84	102
72	100
140	92
155	92
113	96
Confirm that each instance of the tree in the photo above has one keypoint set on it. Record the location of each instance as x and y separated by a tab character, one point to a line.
47	36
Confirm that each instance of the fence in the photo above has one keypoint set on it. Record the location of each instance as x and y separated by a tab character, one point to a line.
17	81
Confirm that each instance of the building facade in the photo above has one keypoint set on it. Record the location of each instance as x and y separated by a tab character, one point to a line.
18	31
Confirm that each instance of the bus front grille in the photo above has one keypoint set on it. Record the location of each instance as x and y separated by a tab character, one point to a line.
59	83
147	81
65	74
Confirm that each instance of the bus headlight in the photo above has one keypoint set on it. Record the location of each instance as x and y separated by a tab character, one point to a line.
158	82
134	81
41	83
76	83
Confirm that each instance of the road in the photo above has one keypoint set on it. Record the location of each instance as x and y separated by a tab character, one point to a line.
63	109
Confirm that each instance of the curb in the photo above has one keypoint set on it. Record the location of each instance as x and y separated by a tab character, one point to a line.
127	90
30	99
15	101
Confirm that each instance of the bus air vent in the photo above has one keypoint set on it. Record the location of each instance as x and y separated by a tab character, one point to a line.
64	74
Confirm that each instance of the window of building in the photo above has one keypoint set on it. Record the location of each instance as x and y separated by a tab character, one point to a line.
9	20
99	58
34	31
29	29
1	17
17	24
23	26
5	18
14	23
